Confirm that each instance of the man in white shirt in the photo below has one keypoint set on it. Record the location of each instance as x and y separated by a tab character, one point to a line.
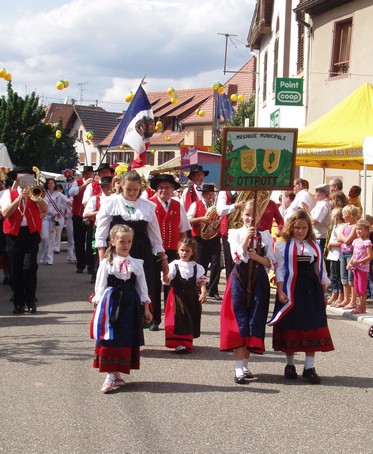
302	198
320	214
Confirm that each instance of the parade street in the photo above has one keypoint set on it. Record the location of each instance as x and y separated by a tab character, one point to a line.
51	400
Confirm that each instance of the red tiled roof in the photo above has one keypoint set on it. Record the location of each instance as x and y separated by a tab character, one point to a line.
55	111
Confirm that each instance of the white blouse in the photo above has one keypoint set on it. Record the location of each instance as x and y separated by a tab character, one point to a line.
138	210
235	238
186	270
305	249
121	268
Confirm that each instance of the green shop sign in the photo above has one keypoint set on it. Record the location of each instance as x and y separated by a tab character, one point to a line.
289	92
255	159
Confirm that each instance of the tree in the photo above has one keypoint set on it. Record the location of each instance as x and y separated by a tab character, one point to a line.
61	151
22	129
244	110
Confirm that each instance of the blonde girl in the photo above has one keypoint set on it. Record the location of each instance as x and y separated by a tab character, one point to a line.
121	296
346	237
334	254
359	263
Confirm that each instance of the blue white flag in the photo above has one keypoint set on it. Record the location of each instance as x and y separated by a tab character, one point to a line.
136	127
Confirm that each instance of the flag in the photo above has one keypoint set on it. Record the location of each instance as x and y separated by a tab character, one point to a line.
224	107
136	127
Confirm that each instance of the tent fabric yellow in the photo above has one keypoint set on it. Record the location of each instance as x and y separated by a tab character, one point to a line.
336	139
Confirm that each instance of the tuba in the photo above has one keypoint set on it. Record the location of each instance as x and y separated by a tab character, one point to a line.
37	192
235	219
210	231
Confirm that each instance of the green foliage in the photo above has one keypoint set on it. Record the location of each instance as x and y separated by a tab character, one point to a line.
22	129
29	140
61	152
244	110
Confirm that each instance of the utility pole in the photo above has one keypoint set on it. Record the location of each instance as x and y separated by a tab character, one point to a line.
227	35
81	91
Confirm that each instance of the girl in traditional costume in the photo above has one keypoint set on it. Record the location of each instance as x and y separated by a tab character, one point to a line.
245	303
183	308
299	320
121	296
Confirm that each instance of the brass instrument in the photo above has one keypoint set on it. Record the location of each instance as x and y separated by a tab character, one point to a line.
209	231
37	192
235	219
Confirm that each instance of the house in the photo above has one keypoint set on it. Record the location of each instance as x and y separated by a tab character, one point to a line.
77	120
323	42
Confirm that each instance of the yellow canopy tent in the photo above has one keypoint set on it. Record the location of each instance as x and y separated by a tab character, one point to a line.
335	140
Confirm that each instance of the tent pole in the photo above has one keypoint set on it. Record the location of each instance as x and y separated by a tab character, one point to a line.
365	191
323	175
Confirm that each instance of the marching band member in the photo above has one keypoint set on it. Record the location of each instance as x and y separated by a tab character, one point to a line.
193	192
209	250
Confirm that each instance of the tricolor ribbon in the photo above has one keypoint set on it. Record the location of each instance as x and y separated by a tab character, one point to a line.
100	327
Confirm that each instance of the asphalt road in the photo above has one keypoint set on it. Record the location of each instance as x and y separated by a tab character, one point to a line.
51	400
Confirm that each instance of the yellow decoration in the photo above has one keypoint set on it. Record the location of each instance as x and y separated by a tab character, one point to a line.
241	98
121	169
89	134
2	73
234	98
159	124
168	138
174	100
152	152
88	142
216	85
58	134
67	83
201	113
8	76
60	85
171	91
221	90
129	97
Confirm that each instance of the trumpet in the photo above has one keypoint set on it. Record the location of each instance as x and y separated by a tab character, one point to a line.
235	219
37	192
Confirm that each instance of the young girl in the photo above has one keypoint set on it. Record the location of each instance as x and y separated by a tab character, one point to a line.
347	236
121	295
359	263
334	252
299	319
183	308
243	319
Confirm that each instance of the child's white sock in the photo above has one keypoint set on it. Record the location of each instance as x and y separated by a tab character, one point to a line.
239	367
245	363
310	360
290	359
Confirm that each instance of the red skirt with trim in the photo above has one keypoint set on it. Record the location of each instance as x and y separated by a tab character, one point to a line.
174	340
116	359
229	332
297	340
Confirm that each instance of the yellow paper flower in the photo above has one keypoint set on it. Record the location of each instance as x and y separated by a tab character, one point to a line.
121	169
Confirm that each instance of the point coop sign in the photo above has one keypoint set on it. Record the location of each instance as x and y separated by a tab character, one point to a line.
289	92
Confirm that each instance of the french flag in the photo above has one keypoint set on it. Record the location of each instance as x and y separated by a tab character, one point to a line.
136	128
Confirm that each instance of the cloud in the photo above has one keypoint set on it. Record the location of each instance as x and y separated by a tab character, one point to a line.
111	44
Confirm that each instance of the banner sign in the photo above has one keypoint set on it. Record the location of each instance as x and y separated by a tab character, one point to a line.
258	158
289	92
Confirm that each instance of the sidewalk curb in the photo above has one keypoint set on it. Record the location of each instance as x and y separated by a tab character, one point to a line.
367	318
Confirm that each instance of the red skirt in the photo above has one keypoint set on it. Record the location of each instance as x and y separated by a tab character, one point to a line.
174	340
297	340
116	359
229	332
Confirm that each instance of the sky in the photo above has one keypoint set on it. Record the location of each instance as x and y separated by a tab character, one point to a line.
105	47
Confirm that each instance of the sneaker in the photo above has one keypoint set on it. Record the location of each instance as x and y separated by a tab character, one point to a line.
154	326
180	349
240	380
290	372
119	382
311	376
108	385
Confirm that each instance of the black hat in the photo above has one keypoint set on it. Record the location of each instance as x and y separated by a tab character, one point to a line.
208	188
163	177
106	180
197	168
20	169
87	169
104	166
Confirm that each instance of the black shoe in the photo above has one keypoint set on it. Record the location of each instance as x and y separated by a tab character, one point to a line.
248	374
19	310
216	296
290	372
32	309
154	326
93	279
240	379
311	376
79	271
